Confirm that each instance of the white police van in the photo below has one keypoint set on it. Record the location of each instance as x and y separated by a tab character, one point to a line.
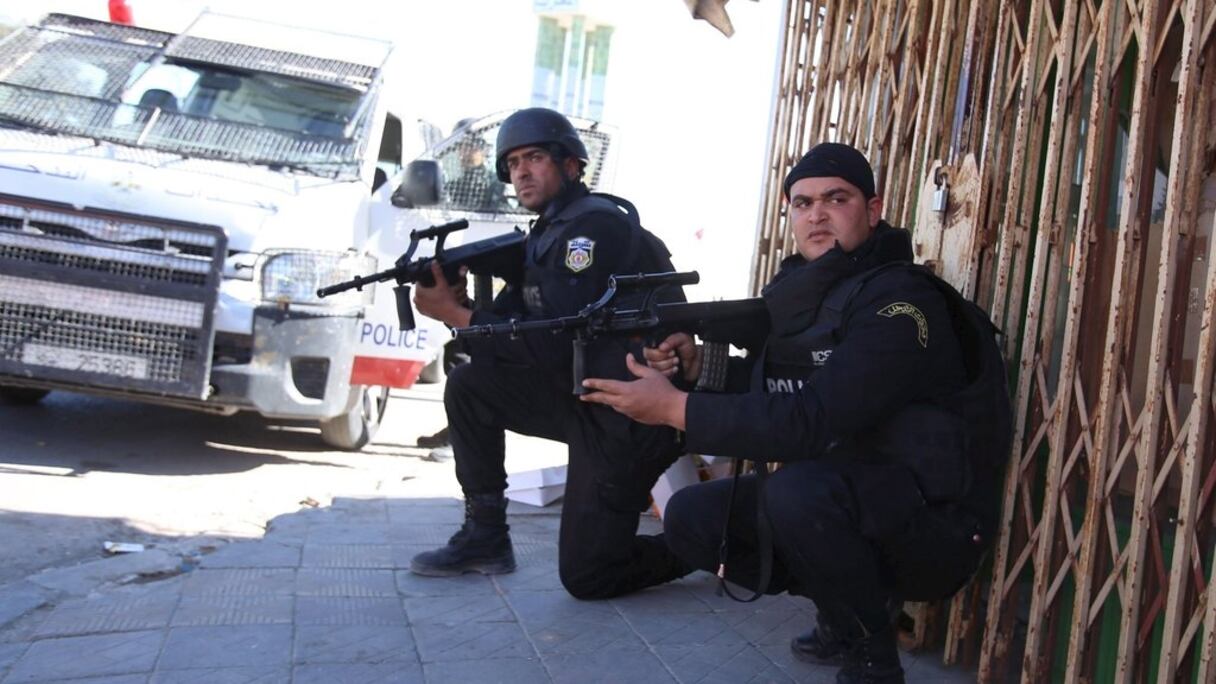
171	202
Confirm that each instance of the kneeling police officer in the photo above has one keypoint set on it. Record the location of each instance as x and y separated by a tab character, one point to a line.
524	385
882	392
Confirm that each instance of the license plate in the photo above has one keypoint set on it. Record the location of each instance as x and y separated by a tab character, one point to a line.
89	362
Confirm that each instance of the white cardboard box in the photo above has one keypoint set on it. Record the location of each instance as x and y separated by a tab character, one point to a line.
538	496
543	486
681	474
539	487
717	466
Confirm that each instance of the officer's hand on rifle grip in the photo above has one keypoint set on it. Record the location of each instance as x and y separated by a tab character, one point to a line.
446	302
650	398
678	350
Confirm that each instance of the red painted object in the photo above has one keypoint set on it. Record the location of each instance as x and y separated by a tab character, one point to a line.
120	12
373	371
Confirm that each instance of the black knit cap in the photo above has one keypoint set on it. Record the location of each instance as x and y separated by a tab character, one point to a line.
833	160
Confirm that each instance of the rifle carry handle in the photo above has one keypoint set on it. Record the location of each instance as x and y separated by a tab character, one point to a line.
653	280
440	230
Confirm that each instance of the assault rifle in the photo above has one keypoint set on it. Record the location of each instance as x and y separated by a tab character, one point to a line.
741	322
502	256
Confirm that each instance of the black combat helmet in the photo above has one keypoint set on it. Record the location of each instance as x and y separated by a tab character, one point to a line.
536	126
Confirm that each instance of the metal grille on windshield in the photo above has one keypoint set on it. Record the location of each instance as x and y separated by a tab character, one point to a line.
67	75
467	160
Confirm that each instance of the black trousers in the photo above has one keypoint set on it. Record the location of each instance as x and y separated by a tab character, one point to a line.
613	463
823	546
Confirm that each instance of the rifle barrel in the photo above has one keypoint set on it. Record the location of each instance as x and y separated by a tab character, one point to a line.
356	283
514	327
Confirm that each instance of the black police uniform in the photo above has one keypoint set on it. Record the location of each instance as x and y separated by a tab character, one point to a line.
525	385
879	393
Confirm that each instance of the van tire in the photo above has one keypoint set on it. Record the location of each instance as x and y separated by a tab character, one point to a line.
352	430
21	396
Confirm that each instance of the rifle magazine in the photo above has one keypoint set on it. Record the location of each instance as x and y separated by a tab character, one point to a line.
714	361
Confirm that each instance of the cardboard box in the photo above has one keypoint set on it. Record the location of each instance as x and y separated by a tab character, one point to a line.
543	486
538	496
715	467
681	474
539	487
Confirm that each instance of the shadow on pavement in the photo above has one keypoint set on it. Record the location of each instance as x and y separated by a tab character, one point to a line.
70	435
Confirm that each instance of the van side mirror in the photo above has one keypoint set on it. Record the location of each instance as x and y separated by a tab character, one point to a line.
422	186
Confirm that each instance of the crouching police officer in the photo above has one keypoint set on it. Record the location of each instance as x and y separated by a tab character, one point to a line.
524	385
882	392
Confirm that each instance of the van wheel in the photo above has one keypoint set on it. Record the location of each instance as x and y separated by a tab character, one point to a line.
21	396
352	430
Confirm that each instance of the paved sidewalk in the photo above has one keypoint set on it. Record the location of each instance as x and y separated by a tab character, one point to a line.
324	597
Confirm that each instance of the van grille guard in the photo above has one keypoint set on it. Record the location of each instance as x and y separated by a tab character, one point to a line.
105	300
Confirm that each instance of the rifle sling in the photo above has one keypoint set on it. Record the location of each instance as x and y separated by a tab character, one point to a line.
764	534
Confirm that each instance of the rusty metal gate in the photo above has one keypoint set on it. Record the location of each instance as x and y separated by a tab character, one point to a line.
1075	141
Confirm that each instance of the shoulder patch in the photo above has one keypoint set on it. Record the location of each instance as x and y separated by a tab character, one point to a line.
906	309
580	252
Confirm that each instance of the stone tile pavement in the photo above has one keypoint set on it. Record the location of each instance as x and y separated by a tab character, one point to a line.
324	597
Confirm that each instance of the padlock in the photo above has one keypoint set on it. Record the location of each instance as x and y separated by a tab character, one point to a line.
941	198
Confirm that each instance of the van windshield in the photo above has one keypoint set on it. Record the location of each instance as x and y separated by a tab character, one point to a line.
223	94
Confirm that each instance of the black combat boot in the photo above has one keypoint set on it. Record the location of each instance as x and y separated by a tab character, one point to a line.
874	659
482	544
823	645
835	633
439	439
832	638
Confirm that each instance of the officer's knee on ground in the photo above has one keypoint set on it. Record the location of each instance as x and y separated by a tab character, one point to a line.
584	583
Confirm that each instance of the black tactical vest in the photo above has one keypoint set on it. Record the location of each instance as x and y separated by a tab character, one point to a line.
790	360
956	446
544	273
547	289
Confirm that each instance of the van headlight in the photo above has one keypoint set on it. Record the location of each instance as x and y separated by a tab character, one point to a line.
294	277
